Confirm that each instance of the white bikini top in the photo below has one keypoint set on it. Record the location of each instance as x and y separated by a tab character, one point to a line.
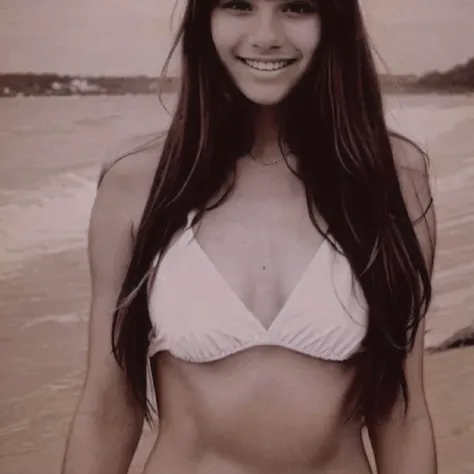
197	317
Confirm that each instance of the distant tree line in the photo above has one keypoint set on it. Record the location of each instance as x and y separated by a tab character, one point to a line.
458	79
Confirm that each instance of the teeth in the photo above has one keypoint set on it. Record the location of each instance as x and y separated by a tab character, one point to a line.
266	65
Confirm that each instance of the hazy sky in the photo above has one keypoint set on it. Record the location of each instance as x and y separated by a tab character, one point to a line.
133	36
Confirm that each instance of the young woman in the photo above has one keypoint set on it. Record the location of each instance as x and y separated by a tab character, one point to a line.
272	256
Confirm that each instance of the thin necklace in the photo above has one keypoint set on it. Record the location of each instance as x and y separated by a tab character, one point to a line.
270	163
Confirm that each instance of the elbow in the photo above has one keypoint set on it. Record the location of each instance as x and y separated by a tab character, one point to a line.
99	443
403	442
111	408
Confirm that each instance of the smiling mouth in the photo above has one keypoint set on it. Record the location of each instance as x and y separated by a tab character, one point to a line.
267	65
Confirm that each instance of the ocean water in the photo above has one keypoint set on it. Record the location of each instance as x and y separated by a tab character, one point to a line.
50	153
51	150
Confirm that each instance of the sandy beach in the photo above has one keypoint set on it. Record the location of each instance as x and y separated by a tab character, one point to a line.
51	152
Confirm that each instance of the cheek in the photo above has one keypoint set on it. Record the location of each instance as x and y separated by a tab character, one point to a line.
307	37
223	35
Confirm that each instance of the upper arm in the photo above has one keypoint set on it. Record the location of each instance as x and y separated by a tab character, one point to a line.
124	183
109	249
413	172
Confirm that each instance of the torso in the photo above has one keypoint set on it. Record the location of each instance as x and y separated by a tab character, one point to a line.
266	409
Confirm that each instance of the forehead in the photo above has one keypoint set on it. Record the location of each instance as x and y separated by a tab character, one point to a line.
280	1
272	1
269	2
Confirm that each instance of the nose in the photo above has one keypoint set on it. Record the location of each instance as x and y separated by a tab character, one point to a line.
267	32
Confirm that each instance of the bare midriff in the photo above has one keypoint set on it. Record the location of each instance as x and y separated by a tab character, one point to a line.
265	410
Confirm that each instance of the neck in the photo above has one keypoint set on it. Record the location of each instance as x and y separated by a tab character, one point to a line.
266	143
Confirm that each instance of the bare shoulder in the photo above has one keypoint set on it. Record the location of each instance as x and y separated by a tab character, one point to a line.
413	169
412	166
408	155
133	158
127	174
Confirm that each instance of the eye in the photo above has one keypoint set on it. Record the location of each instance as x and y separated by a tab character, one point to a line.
301	7
237	5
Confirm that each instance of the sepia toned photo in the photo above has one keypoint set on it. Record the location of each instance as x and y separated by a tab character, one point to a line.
237	237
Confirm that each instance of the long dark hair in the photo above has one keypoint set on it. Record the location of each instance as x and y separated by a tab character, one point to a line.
333	122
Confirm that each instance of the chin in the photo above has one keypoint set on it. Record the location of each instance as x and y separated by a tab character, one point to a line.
265	98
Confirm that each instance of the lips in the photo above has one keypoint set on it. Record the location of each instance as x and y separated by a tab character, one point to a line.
267	65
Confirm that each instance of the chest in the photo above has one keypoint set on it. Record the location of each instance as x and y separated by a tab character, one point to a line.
260	251
201	313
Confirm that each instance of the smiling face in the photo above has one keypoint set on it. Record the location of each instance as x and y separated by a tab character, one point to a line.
266	45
